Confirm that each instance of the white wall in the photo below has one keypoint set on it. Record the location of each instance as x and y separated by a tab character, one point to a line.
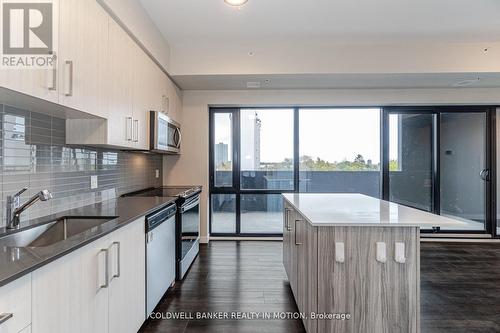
313	56
191	167
137	21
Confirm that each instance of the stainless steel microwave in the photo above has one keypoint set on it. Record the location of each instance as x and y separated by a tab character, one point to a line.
165	134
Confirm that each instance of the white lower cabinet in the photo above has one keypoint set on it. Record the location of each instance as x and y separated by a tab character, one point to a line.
127	289
98	288
15	305
69	294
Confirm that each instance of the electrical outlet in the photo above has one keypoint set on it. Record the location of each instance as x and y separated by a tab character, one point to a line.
157	173
93	182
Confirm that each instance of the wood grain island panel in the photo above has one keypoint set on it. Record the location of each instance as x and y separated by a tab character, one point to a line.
376	287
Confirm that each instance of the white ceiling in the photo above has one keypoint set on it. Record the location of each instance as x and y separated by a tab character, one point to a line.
212	21
316	44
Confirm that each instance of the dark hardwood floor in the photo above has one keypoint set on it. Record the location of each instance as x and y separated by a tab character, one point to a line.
460	289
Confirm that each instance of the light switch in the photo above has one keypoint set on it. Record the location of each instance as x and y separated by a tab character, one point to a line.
339	252
381	252
157	173
399	254
93	182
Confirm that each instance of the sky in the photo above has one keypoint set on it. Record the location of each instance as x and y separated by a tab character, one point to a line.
330	134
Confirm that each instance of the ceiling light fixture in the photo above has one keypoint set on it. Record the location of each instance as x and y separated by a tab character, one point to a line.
235	3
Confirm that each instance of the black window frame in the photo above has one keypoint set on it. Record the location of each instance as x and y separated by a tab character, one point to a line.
236	188
385	111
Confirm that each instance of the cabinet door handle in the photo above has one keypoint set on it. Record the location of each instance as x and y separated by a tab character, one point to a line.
68	73
5	316
52	75
118	258
295	231
287	219
136	130
128	131
106	268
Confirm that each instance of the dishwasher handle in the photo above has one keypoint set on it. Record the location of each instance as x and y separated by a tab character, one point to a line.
149	237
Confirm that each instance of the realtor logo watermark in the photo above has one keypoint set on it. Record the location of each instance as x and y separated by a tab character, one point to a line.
29	34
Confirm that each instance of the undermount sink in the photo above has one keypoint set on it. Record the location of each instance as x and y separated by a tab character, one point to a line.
53	232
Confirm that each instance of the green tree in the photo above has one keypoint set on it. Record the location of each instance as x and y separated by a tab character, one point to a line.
358	164
393	165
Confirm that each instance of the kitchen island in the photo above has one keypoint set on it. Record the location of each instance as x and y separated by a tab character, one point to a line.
353	261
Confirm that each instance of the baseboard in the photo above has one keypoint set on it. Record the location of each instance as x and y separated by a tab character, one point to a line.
443	235
459	240
204	239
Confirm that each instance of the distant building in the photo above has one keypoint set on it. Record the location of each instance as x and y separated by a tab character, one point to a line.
250	143
221	154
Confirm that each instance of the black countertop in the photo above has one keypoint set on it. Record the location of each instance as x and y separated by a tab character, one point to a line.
16	262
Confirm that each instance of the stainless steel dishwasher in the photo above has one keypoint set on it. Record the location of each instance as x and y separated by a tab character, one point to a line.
160	254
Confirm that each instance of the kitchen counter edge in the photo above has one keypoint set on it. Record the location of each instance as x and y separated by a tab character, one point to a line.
11	271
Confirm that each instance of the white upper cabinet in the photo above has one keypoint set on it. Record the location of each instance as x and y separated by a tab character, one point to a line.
102	72
39	83
83	53
174	100
120	87
147	95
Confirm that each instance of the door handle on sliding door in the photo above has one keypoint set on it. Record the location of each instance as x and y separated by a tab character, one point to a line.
485	174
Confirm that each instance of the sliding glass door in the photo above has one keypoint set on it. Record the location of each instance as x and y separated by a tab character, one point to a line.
464	168
438	159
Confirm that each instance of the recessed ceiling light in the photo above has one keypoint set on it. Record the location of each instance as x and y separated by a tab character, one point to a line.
236	3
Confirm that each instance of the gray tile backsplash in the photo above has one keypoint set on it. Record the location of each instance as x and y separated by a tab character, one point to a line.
33	154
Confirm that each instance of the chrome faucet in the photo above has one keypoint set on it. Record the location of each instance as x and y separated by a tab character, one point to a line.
14	207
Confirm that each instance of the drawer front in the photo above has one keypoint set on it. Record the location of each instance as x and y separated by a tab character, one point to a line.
15	299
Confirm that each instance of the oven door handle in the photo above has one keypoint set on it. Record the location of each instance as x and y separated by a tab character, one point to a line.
190	205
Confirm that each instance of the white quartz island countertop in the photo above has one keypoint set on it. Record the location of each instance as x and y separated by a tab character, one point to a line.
353	209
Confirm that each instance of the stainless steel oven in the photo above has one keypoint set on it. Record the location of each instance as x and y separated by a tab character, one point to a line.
188	232
187	222
165	134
